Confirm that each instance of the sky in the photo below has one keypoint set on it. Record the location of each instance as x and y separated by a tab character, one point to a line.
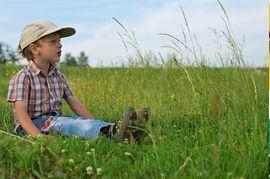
97	32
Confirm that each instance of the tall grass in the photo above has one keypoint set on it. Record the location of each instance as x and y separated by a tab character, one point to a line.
207	122
219	133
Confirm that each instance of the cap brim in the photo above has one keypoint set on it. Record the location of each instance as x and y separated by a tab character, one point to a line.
67	31
64	32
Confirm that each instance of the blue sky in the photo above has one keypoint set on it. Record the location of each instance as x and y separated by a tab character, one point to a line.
97	32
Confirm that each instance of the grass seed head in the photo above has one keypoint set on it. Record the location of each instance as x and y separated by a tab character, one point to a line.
99	171
71	161
89	170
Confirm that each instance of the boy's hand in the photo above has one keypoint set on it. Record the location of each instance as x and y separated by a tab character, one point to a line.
47	137
42	137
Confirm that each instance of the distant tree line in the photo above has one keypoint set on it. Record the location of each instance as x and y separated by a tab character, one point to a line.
10	56
70	60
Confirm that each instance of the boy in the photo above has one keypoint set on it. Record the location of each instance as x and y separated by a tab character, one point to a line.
37	90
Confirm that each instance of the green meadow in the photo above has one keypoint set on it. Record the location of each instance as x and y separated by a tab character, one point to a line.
205	122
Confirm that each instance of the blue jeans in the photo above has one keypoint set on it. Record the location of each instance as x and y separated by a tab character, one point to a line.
69	126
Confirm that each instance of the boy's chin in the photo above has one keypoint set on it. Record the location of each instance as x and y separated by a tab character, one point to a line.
56	60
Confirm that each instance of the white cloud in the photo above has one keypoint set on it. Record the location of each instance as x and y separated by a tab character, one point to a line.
103	44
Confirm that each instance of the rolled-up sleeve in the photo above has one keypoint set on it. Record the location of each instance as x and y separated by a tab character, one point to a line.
18	88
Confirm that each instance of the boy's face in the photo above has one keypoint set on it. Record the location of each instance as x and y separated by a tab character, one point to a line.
50	48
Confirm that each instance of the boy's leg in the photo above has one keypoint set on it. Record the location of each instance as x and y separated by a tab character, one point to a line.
78	126
91	128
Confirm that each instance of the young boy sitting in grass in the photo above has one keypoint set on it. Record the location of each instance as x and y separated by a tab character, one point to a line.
36	92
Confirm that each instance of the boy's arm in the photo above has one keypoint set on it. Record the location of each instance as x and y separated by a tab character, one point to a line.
78	108
24	119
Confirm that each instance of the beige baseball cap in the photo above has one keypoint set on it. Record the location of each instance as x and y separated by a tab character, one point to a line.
39	28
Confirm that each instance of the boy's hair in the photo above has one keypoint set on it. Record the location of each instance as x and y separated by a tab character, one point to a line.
26	52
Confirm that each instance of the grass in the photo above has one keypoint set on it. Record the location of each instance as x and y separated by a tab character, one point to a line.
207	122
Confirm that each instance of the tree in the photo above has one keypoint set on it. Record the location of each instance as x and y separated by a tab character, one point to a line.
7	55
2	54
69	60
82	59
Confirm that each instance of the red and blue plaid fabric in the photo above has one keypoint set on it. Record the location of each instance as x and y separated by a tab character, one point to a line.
43	94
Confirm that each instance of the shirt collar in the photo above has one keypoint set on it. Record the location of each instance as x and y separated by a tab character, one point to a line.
35	68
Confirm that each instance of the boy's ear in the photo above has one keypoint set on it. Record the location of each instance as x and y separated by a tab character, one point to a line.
33	48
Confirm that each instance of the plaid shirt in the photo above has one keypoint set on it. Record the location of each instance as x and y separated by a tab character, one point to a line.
43	94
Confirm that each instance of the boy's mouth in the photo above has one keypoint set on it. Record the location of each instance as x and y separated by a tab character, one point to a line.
59	53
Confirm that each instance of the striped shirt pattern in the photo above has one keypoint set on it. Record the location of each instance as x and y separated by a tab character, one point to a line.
43	94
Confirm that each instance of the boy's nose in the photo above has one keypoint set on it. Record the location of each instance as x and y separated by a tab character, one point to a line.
60	45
